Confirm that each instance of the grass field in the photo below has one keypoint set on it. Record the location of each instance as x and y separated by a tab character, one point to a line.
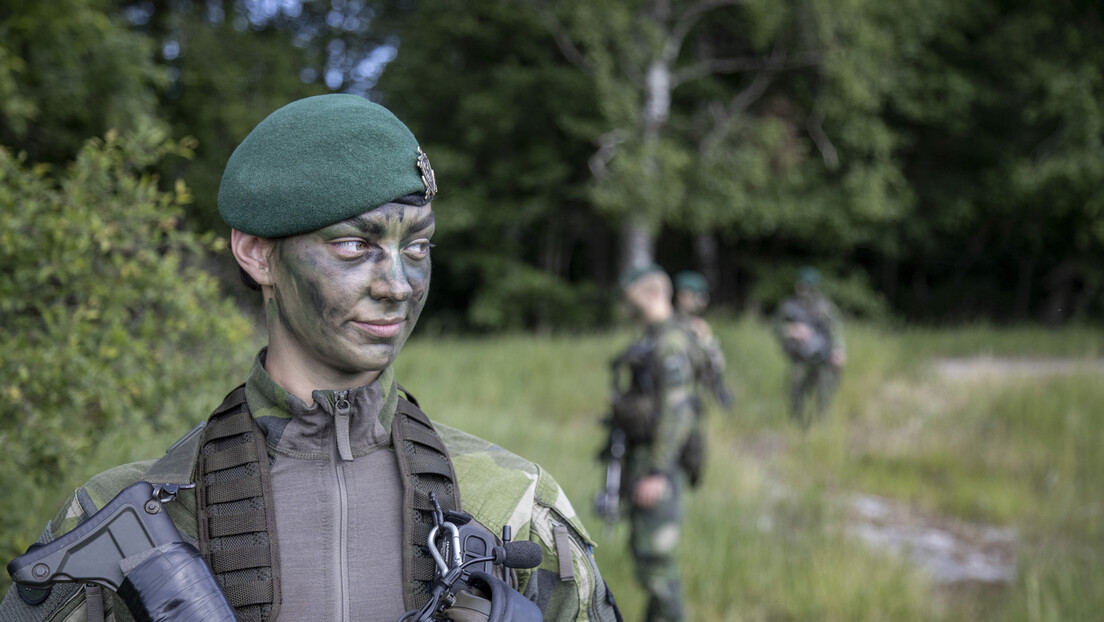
1006	461
995	453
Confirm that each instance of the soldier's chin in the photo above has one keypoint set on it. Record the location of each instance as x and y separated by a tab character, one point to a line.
379	356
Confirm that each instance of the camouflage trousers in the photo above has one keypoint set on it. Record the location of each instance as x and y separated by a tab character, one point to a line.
656	532
818	379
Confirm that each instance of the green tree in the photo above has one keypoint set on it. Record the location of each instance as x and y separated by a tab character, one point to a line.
228	64
746	120
1002	110
506	121
70	70
718	112
106	312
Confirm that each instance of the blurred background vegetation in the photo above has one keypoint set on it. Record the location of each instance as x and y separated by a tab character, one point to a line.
939	160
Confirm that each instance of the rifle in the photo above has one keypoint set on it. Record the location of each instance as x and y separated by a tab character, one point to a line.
133	548
714	381
607	501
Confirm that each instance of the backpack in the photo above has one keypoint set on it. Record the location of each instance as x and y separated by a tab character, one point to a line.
634	383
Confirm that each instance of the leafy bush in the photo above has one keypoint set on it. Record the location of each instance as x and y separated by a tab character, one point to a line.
852	292
516	296
109	327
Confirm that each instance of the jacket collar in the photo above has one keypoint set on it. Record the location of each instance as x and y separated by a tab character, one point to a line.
352	422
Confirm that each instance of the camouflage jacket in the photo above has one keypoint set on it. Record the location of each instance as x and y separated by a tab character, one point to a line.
676	356
818	312
710	364
497	487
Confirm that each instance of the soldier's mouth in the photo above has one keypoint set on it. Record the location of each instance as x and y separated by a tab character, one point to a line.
385	328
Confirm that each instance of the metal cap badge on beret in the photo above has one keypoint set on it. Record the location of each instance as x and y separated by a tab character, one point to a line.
318	161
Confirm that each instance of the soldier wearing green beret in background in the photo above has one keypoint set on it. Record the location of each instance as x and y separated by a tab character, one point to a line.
329	204
691	300
808	327
654	407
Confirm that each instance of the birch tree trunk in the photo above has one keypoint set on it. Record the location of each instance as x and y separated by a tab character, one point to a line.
637	232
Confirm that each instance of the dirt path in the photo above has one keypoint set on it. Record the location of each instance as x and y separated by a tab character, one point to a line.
981	367
950	550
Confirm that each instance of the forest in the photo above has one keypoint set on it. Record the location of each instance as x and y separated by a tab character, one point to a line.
939	160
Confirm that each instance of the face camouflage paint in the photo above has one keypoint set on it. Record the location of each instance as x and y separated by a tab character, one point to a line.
347	296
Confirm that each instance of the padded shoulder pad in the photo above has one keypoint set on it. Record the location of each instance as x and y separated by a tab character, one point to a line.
178	464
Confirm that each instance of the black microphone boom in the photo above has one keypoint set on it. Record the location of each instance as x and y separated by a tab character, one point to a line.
520	554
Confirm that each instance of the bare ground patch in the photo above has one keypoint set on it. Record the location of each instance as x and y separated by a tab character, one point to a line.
955	553
988	367
951	551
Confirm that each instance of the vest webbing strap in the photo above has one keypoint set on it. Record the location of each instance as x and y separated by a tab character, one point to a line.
234	503
425	467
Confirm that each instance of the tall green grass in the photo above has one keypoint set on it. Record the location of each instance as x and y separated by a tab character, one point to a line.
766	534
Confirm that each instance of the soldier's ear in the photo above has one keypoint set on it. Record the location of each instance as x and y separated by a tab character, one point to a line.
253	254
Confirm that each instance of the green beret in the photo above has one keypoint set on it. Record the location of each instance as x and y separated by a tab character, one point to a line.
809	276
693	281
631	275
318	161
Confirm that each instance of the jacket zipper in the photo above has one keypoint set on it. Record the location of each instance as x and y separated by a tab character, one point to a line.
342	409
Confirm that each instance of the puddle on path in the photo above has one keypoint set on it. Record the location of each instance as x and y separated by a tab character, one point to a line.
950	551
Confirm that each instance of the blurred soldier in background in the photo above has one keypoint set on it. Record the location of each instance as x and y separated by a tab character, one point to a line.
654	410
691	299
808	327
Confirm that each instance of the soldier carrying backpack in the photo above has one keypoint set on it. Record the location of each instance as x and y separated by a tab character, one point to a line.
808	328
654	409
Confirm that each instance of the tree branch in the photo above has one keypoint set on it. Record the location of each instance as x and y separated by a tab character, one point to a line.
607	148
687	21
715	66
820	138
563	40
741	101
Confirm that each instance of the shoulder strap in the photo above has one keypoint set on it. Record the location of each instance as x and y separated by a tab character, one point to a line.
425	466
234	506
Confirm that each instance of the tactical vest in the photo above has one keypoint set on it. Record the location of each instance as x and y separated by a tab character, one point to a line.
814	313
634	408
228	461
635	378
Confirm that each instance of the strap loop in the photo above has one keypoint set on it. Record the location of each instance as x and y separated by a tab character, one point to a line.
232	440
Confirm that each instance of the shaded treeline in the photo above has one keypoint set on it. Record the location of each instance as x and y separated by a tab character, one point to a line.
938	159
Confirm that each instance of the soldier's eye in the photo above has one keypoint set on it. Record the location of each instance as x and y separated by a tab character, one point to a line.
350	248
418	250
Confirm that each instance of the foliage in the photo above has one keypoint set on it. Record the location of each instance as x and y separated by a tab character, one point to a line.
851	293
112	329
744	81
1001	106
518	246
943	152
523	297
70	70
227	70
